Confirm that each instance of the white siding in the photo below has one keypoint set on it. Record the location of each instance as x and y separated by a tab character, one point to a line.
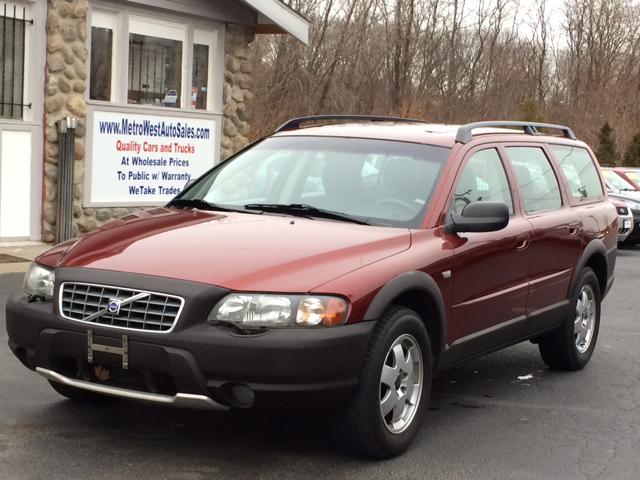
15	184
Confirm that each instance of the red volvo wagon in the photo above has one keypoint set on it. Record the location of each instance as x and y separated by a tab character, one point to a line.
334	266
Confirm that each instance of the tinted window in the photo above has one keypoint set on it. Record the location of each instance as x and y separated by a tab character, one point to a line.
580	170
383	182
482	179
538	183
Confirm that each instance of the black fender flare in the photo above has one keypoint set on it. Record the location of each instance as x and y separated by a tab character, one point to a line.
595	246
412	280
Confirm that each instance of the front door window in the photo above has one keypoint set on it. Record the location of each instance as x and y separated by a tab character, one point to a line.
483	179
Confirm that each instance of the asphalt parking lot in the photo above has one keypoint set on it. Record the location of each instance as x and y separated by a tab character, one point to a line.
502	416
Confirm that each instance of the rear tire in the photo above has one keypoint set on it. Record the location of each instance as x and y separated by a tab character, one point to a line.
384	416
571	346
78	394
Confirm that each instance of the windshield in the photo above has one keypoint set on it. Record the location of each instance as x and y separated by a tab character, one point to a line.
374	181
617	181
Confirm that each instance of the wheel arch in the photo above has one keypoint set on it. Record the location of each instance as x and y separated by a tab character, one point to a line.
419	292
594	256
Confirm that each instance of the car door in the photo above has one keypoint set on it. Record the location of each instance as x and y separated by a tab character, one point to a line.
556	232
490	268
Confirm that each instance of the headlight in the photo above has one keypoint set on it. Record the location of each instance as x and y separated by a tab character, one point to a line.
271	310
632	205
39	281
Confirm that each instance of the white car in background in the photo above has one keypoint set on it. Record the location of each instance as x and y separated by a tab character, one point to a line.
621	190
625	219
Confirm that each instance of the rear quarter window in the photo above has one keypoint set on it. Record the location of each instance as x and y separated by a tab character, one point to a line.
580	171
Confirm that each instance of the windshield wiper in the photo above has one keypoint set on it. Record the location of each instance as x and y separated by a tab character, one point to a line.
199	204
303	210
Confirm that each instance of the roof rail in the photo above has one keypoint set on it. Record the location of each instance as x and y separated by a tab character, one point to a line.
295	122
465	135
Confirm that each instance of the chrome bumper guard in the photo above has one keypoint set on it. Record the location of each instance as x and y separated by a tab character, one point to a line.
184	400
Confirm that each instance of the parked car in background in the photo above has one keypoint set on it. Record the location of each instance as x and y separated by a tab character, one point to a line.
621	189
625	219
619	184
630	174
367	257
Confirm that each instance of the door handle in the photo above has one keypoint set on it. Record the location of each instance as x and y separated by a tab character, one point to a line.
574	228
523	241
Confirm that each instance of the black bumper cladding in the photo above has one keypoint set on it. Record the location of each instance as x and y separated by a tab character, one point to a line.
196	364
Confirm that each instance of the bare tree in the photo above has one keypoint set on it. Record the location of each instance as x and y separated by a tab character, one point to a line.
453	61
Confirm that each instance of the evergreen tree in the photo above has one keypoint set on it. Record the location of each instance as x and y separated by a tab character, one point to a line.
607	153
530	111
632	154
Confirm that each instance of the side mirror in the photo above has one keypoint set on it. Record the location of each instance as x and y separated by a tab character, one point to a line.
478	217
189	183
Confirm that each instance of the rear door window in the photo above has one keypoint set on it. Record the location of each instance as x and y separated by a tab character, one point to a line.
580	170
538	183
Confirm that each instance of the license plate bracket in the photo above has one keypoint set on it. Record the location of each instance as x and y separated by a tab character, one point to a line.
97	347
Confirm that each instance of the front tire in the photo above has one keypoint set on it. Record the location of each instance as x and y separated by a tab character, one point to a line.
571	346
383	417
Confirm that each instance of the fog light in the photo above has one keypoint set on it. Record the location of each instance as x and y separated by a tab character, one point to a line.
243	395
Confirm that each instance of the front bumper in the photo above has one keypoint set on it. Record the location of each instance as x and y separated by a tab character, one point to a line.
634	235
625	227
196	364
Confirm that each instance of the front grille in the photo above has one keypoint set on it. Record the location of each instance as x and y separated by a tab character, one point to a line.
85	302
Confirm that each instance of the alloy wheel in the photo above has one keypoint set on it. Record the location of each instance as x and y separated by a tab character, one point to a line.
401	384
583	325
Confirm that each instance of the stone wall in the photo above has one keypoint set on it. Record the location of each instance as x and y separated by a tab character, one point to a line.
66	82
238	63
66	77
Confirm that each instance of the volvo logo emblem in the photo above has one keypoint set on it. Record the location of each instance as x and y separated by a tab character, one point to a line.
114	306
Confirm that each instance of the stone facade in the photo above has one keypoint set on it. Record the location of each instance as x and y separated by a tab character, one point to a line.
238	83
66	83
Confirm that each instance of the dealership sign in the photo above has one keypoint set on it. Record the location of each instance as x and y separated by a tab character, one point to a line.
146	159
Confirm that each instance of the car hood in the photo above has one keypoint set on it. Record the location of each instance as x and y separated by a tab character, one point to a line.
630	196
239	251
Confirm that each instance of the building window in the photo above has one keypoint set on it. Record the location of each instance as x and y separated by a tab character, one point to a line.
101	54
104	56
13	23
155	71
200	77
166	64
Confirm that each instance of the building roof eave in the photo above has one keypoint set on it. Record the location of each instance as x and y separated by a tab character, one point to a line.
274	12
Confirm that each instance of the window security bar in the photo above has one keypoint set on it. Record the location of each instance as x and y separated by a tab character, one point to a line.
12	45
